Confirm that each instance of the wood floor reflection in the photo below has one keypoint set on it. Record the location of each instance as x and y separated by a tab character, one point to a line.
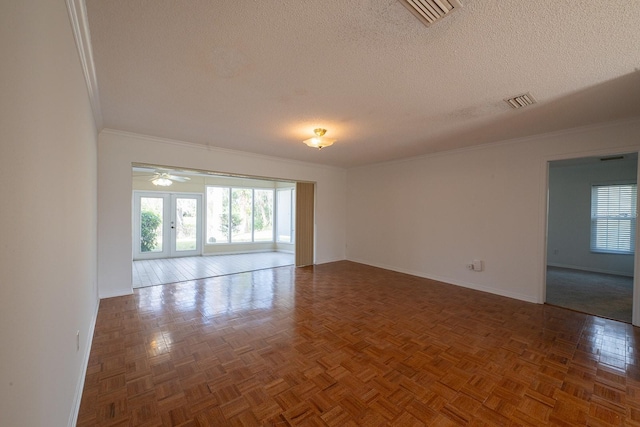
345	344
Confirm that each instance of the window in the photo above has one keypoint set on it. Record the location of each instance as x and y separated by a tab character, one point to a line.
613	218
217	215
239	215
263	215
286	215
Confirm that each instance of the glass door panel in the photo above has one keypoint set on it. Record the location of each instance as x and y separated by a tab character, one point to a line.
151	224
186	225
166	225
151	234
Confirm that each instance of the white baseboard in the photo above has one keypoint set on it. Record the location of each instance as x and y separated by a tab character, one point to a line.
285	251
591	270
240	252
450	281
73	418
327	261
116	294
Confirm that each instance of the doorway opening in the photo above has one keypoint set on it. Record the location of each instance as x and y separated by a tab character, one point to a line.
591	234
166	225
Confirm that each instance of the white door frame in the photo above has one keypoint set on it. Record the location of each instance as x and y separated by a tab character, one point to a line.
544	226
173	248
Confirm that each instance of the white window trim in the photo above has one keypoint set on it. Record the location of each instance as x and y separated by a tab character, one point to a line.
292	208
230	241
633	220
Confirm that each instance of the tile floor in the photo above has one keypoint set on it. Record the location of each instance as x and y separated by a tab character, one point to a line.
171	270
343	344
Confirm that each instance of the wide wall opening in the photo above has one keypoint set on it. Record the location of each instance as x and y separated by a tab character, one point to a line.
190	224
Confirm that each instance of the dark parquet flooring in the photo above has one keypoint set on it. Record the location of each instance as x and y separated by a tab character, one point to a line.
343	344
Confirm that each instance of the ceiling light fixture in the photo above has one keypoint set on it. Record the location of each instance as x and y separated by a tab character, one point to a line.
319	141
162	182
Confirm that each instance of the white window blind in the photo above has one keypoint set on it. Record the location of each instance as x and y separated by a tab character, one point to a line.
613	218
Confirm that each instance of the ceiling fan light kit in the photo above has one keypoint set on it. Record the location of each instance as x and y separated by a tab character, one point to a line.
164	179
319	141
162	182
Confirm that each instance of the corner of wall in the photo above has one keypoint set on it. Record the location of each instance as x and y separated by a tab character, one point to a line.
73	418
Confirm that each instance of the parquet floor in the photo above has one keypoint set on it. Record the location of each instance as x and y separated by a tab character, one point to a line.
344	344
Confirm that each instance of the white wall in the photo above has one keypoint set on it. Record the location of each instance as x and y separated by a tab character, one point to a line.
430	216
116	153
48	173
569	225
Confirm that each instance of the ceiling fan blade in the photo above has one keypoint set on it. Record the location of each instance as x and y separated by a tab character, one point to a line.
178	178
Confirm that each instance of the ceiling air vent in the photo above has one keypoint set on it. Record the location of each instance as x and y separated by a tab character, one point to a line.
607	159
431	11
521	100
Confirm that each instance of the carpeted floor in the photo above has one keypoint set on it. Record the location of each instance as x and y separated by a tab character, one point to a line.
603	295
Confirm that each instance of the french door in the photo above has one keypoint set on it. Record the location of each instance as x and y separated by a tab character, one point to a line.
166	225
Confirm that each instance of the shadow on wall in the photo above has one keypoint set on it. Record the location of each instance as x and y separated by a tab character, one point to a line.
613	100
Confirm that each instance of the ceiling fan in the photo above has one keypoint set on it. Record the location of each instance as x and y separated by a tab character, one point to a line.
163	177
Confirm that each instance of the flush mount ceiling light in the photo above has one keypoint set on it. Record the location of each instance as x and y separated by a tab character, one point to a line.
319	141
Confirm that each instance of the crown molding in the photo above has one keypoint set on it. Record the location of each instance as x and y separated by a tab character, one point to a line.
80	25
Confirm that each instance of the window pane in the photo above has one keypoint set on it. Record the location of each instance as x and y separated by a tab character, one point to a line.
613	218
285	218
263	216
217	214
186	222
241	209
151	211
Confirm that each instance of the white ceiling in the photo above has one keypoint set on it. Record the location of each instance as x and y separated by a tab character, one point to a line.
259	76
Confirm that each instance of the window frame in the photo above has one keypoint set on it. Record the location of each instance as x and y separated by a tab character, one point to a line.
632	219
292	212
230	189
274	207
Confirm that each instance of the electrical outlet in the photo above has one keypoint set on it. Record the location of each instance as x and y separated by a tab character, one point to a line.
77	340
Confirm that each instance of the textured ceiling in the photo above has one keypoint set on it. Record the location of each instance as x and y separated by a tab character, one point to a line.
259	76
